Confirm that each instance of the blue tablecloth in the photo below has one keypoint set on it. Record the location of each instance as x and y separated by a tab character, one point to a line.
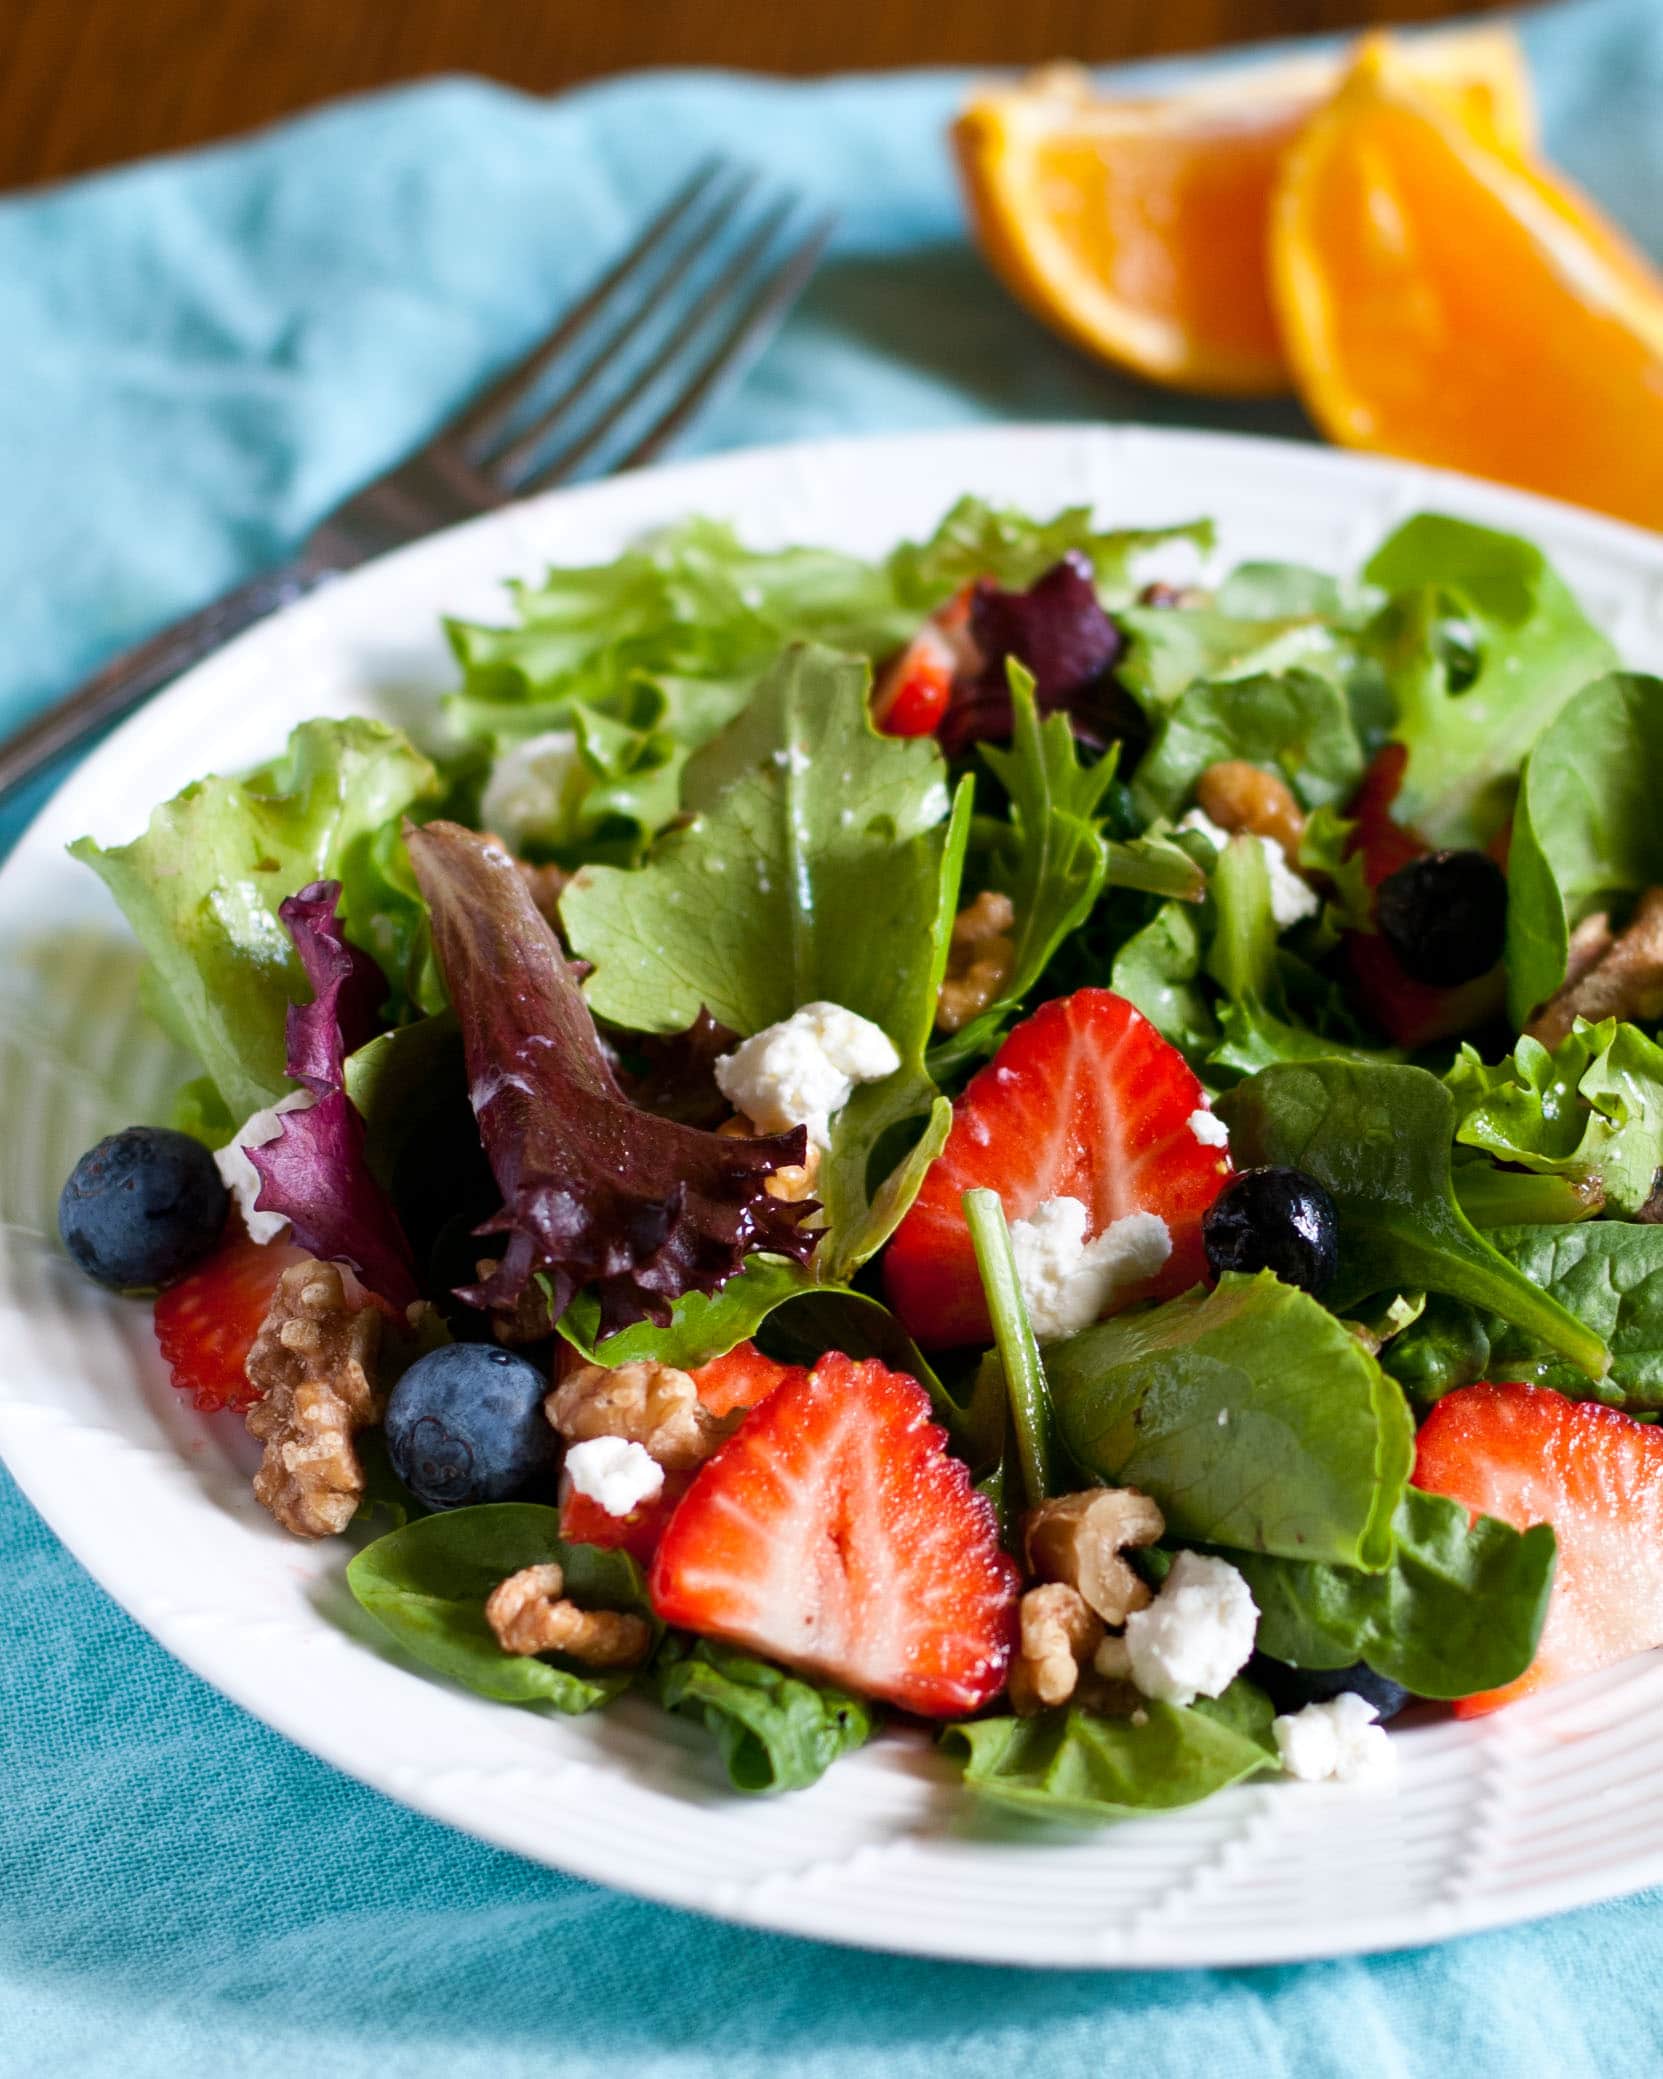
197	357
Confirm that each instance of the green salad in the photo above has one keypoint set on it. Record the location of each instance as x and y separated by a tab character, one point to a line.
992	1140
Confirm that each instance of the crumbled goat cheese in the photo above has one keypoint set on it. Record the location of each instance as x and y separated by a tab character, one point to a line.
239	1175
535	788
1335	1742
1209	1129
1196	1635
615	1472
1291	899
1068	1281
800	1071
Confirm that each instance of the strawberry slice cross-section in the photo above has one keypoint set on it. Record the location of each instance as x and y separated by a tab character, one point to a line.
207	1322
835	1532
1084	1100
1528	1455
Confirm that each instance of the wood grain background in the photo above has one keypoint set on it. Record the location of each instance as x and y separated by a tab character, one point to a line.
84	83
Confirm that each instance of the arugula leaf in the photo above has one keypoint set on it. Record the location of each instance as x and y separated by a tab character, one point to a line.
428	1584
978	540
201	888
1591	1110
1377	1137
702	1325
1586	833
1297	723
1248	1413
1470	709
1075	1766
1457	1611
1050	858
1609	1274
774	1730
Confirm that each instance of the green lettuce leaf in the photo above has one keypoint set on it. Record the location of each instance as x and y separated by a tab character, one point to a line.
1297	724
428	1584
1378	1138
201	889
1609	1273
1074	1766
1586	834
1482	644
774	1730
979	540
1249	1414
1591	1110
1458	1610
1172	648
1159	970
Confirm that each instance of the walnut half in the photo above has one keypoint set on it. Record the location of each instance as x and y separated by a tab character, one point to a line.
1059	1636
1608	976
314	1364
1078	1539
654	1405
1238	795
528	1614
980	956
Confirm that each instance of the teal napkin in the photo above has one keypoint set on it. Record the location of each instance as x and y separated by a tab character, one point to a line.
197	357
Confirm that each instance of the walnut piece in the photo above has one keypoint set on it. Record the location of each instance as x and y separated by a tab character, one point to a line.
528	1614
1237	795
1608	976
314	1363
980	957
1059	1636
1078	1539
793	1181
653	1405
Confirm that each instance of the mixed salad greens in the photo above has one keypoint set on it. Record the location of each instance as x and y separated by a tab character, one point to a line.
1069	1156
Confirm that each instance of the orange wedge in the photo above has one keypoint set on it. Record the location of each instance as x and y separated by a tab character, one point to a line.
1138	228
1457	304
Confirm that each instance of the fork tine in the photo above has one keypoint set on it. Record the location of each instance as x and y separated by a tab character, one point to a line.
738	346
499	397
509	465
725	285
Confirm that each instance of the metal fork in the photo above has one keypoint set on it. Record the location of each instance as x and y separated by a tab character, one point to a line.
619	376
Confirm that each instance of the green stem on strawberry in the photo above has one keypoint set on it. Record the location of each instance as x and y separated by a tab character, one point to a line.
1013	1336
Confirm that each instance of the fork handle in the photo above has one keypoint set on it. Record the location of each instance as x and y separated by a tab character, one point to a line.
127	681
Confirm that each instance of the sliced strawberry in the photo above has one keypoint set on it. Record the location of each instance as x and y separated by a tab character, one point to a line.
739	1380
206	1324
1413	1013
912	691
1528	1455
835	1532
1084	1100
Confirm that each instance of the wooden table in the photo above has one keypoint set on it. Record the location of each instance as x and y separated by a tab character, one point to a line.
84	83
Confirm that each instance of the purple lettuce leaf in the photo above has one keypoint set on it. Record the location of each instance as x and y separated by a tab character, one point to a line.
1056	628
315	1173
595	1190
677	1076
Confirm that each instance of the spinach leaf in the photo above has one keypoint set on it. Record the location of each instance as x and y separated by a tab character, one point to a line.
1458	1610
1590	1111
1297	723
202	886
1586	834
1248	1413
1483	644
1377	1137
1447	1347
774	1730
1609	1273
1074	1766
428	1584
1050	857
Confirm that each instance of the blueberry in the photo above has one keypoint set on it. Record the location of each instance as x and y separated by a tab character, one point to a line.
1291	1689
141	1207
466	1424
1277	1220
1444	916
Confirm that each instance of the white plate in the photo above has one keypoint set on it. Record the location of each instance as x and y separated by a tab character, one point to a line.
1554	1803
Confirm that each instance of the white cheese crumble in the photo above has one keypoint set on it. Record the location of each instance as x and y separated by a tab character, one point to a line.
1197	1634
615	1472
535	788
1292	899
1209	1129
1067	1281
1335	1742
239	1175
802	1070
